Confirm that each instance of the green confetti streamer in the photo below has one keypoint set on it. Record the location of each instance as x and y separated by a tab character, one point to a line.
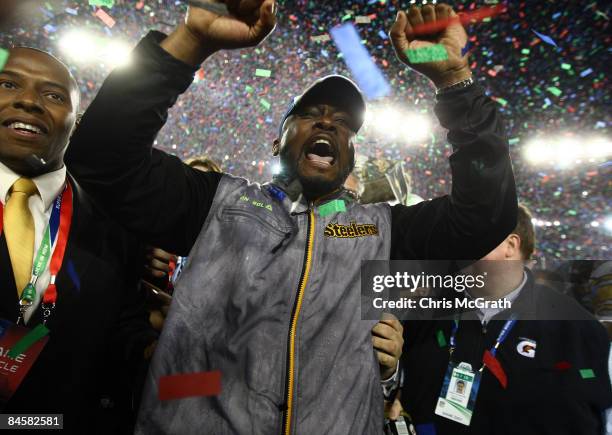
525	51
502	101
249	89
514	140
263	72
587	373
108	3
434	53
566	66
554	90
28	340
441	338
336	206
4	55
265	104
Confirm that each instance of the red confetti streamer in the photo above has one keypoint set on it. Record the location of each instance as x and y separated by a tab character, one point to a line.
190	385
105	18
463	18
495	368
562	365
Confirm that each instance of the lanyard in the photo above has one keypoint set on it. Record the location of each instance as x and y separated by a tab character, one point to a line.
58	228
503	334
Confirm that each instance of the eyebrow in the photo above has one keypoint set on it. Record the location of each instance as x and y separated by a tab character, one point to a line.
45	83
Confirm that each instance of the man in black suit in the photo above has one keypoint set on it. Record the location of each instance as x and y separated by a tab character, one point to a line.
98	330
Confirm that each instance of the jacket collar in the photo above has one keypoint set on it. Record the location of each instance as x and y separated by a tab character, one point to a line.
294	200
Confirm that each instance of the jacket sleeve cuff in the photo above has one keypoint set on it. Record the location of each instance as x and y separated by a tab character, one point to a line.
150	56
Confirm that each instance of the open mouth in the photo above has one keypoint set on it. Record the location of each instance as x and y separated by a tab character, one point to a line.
23	128
321	153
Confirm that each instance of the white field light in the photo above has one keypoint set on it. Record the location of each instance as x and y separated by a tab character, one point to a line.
567	151
397	124
84	47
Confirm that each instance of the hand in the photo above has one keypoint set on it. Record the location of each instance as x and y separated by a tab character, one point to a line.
388	340
453	38
394	409
249	22
157	304
157	265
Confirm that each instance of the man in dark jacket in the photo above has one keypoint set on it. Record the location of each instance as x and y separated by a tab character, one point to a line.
549	374
268	307
63	263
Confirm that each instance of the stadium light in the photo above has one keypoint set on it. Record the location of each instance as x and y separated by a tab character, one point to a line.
567	151
608	224
84	47
397	124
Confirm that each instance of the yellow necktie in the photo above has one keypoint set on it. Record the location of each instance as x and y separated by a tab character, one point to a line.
19	231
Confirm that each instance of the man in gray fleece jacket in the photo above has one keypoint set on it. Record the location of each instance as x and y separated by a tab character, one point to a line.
271	295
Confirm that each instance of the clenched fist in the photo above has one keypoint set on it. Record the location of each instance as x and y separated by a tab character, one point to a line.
452	37
248	23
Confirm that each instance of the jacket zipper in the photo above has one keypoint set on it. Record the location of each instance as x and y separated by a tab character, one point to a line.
295	313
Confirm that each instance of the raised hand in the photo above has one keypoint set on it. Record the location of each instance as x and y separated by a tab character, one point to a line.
209	28
247	24
452	37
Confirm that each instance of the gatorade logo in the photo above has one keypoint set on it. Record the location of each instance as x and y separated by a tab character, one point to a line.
527	348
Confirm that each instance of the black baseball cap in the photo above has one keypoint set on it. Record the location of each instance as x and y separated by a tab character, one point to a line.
334	89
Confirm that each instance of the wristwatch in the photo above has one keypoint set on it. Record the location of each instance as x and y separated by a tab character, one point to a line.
455	86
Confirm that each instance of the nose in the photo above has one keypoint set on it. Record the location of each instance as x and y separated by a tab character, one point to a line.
325	123
29	101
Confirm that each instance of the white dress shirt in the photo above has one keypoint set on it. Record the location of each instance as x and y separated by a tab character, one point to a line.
49	186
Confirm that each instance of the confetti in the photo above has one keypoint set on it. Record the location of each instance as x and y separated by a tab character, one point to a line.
189	385
108	3
368	76
555	91
587	373
335	206
321	38
28	340
441	338
4	55
105	18
263	72
545	38
463	18
434	53
362	20
265	104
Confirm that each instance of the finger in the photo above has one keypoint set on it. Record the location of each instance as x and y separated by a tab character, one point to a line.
159	265
397	33
154	272
428	13
414	17
383	330
389	347
394	323
385	360
157	320
160	254
442	12
395	410
266	22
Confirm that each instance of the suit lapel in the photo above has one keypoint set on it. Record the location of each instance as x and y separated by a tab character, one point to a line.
8	292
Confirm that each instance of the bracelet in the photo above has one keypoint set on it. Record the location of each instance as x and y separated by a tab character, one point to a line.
459	85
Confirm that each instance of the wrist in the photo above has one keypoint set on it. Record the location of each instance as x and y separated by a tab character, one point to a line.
387	373
452	78
186	46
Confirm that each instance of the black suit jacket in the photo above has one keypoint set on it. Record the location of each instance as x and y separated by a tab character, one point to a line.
99	327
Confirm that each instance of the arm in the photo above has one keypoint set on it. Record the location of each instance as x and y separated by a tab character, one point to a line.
481	210
149	192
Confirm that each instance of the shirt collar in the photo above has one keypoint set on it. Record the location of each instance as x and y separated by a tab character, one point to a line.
49	185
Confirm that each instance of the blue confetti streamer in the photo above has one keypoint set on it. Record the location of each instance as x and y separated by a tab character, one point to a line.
545	38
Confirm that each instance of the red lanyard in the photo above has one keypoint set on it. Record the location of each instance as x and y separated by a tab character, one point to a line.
50	294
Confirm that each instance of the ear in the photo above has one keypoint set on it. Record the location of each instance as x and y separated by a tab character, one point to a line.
513	246
276	147
77	122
